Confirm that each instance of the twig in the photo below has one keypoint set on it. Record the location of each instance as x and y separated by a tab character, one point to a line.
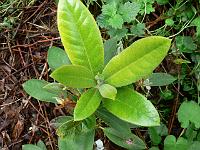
18	70
10	103
35	11
174	109
20	53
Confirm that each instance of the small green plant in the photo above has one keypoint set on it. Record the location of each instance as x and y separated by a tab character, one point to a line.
99	89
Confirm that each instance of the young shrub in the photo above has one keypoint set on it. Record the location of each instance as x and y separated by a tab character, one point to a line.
105	87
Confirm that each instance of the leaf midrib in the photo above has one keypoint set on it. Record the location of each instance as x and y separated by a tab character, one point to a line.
85	78
90	99
132	63
84	47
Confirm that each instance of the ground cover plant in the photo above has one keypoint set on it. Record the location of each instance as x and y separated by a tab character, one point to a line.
29	29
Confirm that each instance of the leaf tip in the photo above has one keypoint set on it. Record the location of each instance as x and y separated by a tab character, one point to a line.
52	75
78	118
24	84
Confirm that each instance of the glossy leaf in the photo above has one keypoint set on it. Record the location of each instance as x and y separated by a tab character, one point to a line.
74	76
87	104
57	57
89	123
128	141
113	121
159	79
108	91
133	107
80	35
136	61
35	89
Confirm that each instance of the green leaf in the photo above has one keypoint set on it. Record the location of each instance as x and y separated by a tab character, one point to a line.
190	133
113	1
117	33
54	87
129	11
189	112
170	143
110	49
35	89
167	94
154	148
68	128
146	6
198	136
90	122
41	144
108	91
196	22
57	57
155	138
138	29
162	2
60	120
109	9
162	130
82	141
74	76
80	35
133	107
156	133
116	21
195	145
169	22
57	88
87	104
128	141
185	44
102	21
113	121
136	61
159	79
30	147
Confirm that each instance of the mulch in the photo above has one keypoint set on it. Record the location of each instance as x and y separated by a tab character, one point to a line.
23	51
